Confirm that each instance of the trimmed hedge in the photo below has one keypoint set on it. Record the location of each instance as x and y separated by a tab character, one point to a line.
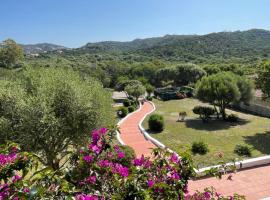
156	123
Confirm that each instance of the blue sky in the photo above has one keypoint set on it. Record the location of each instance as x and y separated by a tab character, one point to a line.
75	22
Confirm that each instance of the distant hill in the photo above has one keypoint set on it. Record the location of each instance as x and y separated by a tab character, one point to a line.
41	48
240	44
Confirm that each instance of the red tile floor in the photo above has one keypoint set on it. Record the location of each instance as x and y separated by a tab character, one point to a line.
254	183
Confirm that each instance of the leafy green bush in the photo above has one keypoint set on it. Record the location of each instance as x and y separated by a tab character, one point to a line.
149	98
122	112
232	118
131	109
47	110
156	122
205	112
127	102
242	150
199	147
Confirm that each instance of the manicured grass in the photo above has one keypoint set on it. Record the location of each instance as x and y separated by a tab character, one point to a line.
220	136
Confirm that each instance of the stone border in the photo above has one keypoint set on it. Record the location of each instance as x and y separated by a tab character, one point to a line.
248	163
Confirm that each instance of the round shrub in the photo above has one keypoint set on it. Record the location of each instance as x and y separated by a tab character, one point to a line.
232	118
122	112
127	102
199	147
131	109
156	122
242	150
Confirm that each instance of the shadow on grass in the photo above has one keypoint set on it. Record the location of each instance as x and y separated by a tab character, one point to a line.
213	125
260	142
152	132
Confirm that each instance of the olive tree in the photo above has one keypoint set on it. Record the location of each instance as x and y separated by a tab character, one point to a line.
50	111
10	53
135	90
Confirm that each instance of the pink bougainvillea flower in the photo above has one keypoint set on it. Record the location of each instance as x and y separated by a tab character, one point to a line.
175	176
95	148
121	170
88	158
26	190
103	130
207	195
16	178
91	179
104	163
138	161
150	183
120	155
174	158
86	197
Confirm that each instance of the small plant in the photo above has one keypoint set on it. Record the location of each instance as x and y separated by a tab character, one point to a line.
122	112
149	98
182	116
156	122
199	147
232	118
242	150
131	109
127	102
204	112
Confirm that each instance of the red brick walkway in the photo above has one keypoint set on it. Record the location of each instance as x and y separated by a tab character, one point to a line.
131	134
253	183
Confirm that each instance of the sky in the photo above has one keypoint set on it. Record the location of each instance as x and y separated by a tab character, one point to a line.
73	23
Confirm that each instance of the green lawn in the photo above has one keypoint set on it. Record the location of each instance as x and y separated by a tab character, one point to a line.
220	136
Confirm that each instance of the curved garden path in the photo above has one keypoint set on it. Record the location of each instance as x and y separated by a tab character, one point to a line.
131	134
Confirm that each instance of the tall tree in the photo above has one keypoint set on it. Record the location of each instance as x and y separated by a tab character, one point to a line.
10	53
220	90
263	80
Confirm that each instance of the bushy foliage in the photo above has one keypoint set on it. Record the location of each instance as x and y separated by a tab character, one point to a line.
122	112
183	74
131	109
242	150
156	122
263	80
48	110
204	112
99	171
199	147
127	102
222	89
10	53
135	90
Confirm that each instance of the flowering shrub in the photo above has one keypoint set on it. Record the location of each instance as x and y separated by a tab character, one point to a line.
99	172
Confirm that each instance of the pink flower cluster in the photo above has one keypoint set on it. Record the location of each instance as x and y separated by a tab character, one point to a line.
7	159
